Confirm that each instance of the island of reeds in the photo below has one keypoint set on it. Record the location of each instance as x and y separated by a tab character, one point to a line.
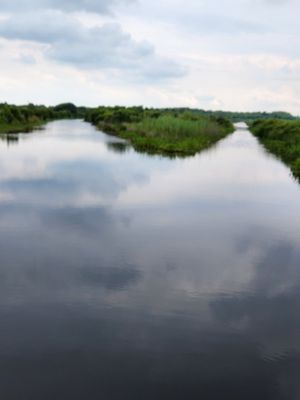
161	131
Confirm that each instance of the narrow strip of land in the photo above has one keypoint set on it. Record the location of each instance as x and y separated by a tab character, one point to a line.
162	132
282	138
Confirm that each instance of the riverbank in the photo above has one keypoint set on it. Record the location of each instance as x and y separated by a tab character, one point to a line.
25	118
281	138
18	127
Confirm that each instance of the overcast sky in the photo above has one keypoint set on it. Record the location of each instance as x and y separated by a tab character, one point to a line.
226	54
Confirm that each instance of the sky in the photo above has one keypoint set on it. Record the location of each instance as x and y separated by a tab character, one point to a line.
237	55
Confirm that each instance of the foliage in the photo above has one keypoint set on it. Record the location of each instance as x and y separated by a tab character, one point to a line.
114	115
281	138
66	109
24	118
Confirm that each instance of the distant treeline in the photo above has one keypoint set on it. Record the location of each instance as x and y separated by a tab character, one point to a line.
281	138
237	116
130	114
14	117
118	114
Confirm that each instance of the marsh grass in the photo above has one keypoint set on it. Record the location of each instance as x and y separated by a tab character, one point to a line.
169	134
281	138
176	128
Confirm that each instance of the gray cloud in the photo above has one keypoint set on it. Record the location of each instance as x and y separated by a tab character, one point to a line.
43	27
105	46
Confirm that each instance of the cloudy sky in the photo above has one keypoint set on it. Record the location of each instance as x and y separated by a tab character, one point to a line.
226	54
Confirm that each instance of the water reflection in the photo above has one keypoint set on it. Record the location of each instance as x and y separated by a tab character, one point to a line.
144	277
118	147
10	139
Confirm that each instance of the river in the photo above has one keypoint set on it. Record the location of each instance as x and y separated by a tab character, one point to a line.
128	276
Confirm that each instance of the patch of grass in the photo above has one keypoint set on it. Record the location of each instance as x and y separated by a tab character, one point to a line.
168	134
281	138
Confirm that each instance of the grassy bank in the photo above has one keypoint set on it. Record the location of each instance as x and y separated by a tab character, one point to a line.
156	132
281	138
17	127
14	119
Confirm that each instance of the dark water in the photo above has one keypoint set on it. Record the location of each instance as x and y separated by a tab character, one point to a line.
124	276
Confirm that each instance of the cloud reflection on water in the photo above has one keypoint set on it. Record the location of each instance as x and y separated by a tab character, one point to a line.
165	276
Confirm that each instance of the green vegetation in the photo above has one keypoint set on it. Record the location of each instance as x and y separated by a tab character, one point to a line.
130	114
281	138
247	117
172	131
160	131
15	119
169	134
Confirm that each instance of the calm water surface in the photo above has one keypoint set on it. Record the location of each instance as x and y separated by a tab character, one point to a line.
125	276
